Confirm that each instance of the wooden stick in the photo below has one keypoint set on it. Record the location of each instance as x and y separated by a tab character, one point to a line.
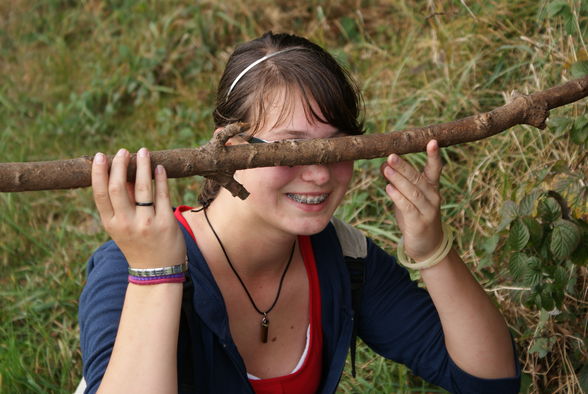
219	162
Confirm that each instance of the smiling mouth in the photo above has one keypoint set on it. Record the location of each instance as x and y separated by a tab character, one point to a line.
307	199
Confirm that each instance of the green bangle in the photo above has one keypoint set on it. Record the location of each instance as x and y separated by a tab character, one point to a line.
162	271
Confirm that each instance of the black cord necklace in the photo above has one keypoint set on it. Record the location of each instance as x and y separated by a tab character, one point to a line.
264	320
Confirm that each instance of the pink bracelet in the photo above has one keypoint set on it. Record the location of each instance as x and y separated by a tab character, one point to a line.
144	278
157	280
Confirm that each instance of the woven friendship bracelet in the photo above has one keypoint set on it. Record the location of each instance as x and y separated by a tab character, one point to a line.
434	259
145	278
178	278
163	271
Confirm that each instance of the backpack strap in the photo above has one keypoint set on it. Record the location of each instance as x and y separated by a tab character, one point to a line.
354	247
353	242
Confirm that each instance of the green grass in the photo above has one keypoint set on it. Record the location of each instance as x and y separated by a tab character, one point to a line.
80	77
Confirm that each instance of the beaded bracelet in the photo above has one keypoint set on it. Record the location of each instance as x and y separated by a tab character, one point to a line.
434	259
162	271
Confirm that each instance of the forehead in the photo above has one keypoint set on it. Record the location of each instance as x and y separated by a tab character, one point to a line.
288	113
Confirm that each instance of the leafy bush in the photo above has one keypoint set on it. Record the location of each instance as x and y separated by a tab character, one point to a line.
541	243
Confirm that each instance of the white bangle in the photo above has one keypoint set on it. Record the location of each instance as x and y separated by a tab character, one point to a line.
439	254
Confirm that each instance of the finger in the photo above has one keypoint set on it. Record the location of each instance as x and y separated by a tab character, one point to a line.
409	191
434	164
131	190
162	202
236	140
404	208
404	168
419	179
143	188
117	188
100	186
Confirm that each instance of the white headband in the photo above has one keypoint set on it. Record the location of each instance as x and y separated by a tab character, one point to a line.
255	63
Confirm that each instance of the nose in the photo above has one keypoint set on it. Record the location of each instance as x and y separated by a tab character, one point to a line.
316	173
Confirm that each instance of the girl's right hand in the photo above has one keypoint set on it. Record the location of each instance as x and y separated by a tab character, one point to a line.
148	236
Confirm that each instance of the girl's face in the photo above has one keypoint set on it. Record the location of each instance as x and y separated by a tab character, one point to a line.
296	200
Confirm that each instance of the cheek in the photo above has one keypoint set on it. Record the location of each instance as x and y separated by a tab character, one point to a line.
342	171
266	177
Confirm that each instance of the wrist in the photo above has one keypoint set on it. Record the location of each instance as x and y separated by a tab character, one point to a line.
153	276
434	258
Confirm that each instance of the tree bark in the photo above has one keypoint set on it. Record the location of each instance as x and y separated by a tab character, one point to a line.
219	162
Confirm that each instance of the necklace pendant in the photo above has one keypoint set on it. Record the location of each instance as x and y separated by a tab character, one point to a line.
264	328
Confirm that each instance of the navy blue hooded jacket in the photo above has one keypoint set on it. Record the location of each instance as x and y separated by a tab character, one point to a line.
397	319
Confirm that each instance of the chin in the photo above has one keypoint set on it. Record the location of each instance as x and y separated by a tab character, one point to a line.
309	226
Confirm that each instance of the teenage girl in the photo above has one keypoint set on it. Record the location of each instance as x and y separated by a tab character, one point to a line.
270	309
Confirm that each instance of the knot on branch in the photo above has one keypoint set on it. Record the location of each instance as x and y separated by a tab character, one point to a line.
226	180
536	112
220	138
215	147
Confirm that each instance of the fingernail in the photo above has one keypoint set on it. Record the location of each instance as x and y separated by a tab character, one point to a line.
99	158
142	152
121	152
393	158
159	169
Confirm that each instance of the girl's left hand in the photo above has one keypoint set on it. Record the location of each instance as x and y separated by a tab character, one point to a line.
417	201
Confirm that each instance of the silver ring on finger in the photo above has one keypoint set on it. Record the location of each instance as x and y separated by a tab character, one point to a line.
144	204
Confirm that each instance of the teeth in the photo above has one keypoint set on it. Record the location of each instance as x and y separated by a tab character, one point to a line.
305	199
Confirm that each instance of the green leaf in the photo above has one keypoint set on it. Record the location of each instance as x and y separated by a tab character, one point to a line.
349	27
547	301
556	8
535	230
542	346
526	381
559	124
580	255
560	277
579	132
533	274
581	122
489	244
579	69
532	278
572	281
569	24
508	212
583	378
517	265
565	237
528	203
518	236
540	174
549	209
485	261
558	297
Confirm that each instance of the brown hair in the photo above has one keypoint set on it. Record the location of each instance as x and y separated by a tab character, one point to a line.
308	70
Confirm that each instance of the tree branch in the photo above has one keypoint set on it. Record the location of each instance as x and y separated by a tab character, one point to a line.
219	162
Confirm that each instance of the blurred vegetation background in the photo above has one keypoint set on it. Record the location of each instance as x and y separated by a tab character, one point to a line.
82	76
